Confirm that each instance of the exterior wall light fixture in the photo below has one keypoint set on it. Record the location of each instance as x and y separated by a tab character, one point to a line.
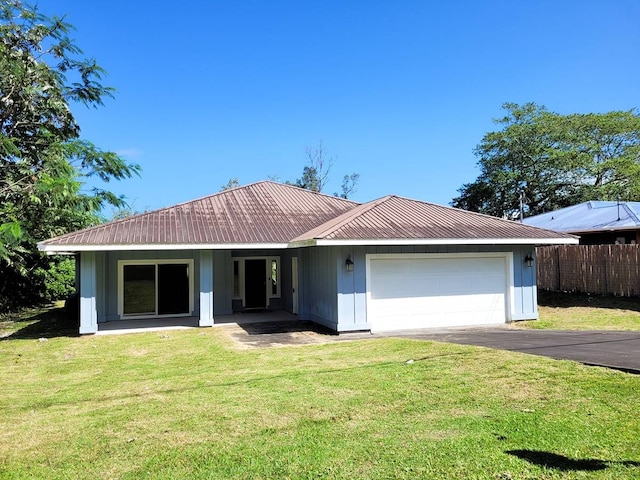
349	264
528	259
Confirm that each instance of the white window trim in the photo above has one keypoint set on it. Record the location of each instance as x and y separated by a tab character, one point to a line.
155	262
278	279
240	295
241	279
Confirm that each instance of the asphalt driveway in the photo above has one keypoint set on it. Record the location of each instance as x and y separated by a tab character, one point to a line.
611	349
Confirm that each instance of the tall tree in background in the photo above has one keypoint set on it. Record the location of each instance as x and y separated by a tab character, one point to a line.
316	173
43	161
349	185
549	161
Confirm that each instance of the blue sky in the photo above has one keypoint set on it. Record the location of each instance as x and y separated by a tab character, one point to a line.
398	91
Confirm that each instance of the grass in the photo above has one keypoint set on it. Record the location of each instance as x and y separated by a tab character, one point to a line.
570	311
188	404
44	321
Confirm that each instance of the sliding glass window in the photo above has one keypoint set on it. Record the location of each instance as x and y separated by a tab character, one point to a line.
154	289
139	290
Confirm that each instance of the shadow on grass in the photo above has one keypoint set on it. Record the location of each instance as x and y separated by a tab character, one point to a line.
42	323
560	462
566	299
293	326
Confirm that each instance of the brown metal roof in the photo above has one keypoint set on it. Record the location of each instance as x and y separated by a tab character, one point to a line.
260	213
394	218
273	213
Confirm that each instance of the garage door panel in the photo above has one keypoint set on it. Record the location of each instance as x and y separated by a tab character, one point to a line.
488	284
401	288
432	292
392	307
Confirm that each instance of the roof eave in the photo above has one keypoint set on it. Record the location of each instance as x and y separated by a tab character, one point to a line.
67	249
436	241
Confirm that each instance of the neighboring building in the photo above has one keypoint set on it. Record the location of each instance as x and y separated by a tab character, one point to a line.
392	263
595	222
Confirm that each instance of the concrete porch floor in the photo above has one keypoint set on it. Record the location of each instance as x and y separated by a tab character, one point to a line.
117	327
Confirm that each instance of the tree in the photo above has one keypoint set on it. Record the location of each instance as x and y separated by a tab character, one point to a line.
316	173
349	185
44	163
232	183
550	161
125	211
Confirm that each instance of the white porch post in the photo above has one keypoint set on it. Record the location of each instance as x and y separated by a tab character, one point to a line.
206	289
88	291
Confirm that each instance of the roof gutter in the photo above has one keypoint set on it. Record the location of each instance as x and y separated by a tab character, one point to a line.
67	249
438	241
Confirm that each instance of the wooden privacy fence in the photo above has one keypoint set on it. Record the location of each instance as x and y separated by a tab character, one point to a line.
597	269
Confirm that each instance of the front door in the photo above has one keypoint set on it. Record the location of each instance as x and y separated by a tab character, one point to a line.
255	283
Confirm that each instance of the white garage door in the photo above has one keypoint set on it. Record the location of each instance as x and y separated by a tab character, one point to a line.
409	291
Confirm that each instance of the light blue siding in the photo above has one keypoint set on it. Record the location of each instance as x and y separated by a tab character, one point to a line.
102	291
222	282
318	285
352	288
327	293
524	279
284	277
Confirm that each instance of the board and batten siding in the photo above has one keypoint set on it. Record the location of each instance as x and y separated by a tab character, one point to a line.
284	277
222	283
317	285
327	293
352	289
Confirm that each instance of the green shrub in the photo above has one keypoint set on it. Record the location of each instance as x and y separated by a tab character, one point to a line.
59	278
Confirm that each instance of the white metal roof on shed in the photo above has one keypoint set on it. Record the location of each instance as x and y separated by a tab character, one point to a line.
590	216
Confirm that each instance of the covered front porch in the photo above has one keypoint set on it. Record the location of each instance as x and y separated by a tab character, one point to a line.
172	289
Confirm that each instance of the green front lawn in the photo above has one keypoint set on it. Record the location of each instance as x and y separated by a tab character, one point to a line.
188	404
574	311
